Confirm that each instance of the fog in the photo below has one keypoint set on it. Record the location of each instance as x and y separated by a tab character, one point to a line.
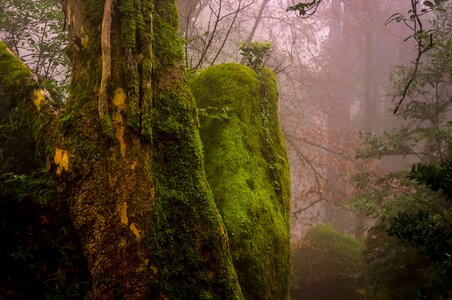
340	82
333	71
365	107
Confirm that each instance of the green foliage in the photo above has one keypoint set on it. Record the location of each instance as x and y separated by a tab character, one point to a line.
256	54
34	31
429	6
326	264
305	9
40	256
394	269
425	231
436	178
430	231
411	209
37	187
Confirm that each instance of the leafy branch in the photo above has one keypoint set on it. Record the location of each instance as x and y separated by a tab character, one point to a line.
305	9
423	38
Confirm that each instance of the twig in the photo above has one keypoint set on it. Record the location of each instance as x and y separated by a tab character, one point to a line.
417	29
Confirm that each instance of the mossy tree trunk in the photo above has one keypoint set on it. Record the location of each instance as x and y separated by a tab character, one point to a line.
126	153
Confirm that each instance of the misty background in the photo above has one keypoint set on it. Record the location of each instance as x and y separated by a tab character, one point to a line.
333	73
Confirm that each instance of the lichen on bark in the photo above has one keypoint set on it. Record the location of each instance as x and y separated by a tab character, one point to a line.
247	168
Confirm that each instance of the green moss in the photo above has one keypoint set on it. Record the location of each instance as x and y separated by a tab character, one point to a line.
79	126
18	147
14	73
136	38
93	13
19	90
188	242
247	169
133	21
128	11
272	139
168	46
188	238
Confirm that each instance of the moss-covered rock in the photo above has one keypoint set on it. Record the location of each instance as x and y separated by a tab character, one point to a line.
16	85
247	169
326	264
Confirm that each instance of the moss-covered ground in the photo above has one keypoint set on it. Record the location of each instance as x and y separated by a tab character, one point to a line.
326	265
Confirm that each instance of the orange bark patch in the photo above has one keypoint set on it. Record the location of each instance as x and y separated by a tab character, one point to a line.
135	230
119	101
61	160
154	269
123	213
38	97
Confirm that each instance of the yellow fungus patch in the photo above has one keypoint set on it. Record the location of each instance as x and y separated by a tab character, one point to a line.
133	165
38	97
135	230
84	40
119	133
123	213
223	234
61	160
142	266
122	243
222	231
119	101
154	269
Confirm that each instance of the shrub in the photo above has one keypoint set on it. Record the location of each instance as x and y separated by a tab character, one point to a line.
325	265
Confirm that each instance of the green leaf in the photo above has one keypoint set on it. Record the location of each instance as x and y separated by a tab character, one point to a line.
429	4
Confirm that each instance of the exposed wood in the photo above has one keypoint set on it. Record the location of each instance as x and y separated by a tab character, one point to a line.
106	60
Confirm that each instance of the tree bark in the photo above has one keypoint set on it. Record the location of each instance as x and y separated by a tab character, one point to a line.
133	176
